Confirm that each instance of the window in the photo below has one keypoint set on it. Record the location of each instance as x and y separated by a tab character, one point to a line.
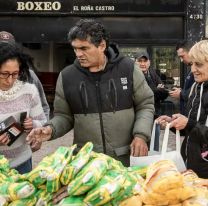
163	59
167	65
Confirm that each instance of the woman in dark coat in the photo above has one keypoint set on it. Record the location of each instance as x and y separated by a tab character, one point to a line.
194	124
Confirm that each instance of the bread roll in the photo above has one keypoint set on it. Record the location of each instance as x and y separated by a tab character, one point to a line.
162	176
201	198
164	185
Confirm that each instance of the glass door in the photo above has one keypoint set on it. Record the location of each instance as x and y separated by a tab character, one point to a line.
166	64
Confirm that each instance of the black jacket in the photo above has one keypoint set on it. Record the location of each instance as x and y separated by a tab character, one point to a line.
160	94
189	80
196	133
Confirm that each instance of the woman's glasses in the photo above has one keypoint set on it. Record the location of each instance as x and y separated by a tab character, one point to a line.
6	75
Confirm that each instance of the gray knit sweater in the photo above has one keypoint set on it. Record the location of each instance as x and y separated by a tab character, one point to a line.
20	98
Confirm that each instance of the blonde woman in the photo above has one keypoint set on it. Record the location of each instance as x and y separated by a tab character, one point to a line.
195	124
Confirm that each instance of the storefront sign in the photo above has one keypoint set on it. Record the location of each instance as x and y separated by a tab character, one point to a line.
71	7
38	6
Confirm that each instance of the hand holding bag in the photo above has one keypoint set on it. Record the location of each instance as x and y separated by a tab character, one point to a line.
154	156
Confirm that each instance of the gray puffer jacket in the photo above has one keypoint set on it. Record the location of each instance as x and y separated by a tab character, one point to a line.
108	108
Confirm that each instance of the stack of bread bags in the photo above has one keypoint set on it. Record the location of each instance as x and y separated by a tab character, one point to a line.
165	185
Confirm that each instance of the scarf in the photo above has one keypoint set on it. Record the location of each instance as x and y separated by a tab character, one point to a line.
10	94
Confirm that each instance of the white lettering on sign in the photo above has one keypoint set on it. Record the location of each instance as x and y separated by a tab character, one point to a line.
75	8
87	8
196	16
38	6
104	8
93	8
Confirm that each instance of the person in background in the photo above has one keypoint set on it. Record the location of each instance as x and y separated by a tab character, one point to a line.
182	49
103	96
155	83
9	38
194	124
16	97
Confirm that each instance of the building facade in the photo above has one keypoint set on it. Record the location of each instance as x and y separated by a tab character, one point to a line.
41	28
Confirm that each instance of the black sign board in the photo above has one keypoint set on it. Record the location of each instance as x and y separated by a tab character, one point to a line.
90	7
125	30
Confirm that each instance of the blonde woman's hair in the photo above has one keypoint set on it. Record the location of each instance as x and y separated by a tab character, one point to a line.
199	52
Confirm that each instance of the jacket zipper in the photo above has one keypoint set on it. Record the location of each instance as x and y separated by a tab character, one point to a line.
100	115
187	142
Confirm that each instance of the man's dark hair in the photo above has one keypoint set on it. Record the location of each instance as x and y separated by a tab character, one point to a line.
89	29
10	52
184	44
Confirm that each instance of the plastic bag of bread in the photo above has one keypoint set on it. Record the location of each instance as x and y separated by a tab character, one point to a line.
15	191
113	163
61	157
180	204
72	201
192	179
106	189
201	187
4	164
200	199
50	167
6	173
4	201
24	202
164	185
43	198
88	177
78	162
3	178
131	186
162	176
141	170
39	174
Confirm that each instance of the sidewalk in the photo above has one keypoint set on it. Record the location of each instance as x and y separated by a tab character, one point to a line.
50	146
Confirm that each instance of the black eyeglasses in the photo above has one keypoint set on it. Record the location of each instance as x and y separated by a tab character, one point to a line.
6	75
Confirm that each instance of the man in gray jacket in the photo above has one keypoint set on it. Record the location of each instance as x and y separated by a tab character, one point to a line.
103	96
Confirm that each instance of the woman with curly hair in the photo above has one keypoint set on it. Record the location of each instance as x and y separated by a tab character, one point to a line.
16	97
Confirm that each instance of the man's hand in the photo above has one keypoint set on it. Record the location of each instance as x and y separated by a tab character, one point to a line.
139	147
35	145
175	93
40	134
